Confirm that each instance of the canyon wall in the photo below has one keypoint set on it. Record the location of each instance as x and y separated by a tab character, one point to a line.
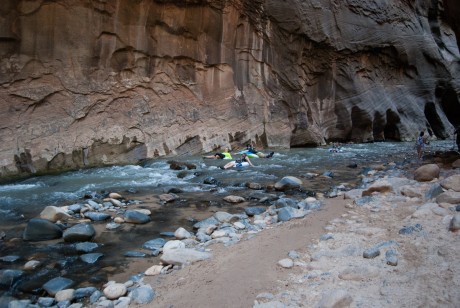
94	82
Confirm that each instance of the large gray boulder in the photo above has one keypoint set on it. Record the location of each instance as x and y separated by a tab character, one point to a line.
79	233
136	217
39	229
288	182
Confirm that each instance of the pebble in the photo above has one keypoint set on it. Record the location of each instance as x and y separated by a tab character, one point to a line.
135	254
455	223
371	253
154	270
293	254
33	264
84	292
234	199
65	295
91	258
286	263
45	301
181	233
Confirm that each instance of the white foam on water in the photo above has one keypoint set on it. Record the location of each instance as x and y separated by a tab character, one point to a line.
20	187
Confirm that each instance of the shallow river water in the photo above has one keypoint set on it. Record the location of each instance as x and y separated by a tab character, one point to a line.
23	200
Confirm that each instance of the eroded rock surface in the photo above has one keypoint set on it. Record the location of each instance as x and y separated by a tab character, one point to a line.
88	83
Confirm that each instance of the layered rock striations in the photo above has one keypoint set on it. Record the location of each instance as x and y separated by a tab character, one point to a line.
93	82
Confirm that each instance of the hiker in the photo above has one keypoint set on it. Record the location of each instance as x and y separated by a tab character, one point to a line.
223	155
251	150
244	161
457	131
420	144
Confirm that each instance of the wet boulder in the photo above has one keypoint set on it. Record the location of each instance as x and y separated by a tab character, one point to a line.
155	244
97	216
288	182
91	258
225	217
57	284
76	208
9	276
206	222
283	202
262	197
136	217
177	165
166	198
39	229
79	233
234	199
134	254
251	211
84	292
45	301
209	180
86	246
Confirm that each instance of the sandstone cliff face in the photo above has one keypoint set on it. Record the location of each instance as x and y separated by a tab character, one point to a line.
93	82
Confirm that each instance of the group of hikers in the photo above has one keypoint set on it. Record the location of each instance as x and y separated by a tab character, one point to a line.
244	161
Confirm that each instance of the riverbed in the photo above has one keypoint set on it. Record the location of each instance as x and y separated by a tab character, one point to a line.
200	190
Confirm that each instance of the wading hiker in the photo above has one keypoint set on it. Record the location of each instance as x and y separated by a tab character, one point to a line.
223	155
457	140
420	144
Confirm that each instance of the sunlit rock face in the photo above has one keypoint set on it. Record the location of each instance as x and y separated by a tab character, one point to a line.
94	82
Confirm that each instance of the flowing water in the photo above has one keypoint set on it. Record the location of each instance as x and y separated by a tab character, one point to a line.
23	200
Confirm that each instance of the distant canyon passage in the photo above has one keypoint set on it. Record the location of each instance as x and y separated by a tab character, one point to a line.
93	82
